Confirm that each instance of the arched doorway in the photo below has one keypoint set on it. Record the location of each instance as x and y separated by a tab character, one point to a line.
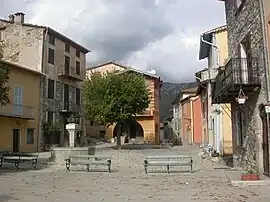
131	128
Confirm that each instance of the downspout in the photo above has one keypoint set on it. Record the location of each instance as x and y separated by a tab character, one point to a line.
216	128
266	62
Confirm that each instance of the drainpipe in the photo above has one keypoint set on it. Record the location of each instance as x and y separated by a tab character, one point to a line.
213	45
216	108
266	62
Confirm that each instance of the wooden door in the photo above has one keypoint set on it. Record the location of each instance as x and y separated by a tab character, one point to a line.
265	147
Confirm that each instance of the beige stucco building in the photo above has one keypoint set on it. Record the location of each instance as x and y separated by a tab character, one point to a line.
147	126
62	60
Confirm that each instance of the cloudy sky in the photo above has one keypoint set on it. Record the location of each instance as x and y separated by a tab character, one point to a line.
145	34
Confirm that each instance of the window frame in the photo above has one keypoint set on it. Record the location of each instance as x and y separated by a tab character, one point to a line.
78	53
67	47
78	67
51	95
78	98
33	136
51	39
51	60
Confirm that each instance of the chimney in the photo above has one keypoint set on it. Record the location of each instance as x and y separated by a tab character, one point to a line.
19	17
11	18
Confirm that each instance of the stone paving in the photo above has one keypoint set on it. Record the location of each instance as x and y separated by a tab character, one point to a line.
128	182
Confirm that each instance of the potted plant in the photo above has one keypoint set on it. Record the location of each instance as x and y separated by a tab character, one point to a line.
250	175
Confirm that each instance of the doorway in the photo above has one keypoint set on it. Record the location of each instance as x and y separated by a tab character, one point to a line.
265	143
16	140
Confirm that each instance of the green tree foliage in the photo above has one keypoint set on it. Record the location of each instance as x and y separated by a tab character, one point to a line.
4	77
115	97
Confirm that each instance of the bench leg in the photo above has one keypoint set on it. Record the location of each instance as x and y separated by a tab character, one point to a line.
145	166
16	165
88	167
1	164
109	166
34	164
68	166
168	169
191	166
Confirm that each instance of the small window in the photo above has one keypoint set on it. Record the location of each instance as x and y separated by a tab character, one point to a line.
49	117
51	89
30	136
78	67
67	48
78	96
51	56
78	53
51	40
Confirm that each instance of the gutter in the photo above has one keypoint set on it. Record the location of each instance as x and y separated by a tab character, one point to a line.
213	45
266	58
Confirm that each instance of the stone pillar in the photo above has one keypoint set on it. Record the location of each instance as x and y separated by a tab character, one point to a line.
72	129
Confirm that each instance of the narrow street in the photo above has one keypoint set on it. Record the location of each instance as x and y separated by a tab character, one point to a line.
128	182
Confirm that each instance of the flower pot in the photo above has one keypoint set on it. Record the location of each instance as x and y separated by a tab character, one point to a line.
241	101
250	177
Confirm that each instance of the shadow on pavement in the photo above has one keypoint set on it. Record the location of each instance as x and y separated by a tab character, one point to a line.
7	197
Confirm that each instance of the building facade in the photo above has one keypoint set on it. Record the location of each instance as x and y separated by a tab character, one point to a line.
186	115
214	47
19	119
147	125
62	61
242	81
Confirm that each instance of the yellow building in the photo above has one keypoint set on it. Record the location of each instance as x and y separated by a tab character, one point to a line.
146	128
217	126
19	119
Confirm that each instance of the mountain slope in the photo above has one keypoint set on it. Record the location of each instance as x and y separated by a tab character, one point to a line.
169	91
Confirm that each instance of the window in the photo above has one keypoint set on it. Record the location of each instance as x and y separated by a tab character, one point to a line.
67	63
51	56
50	89
78	68
244	55
30	136
50	117
18	100
67	48
51	40
78	96
78	53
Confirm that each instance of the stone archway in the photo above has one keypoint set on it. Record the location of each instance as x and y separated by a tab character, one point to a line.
131	129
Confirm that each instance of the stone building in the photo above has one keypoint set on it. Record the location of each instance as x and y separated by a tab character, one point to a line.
62	61
242	81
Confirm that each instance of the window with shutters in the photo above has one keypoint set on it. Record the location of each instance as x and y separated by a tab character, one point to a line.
51	56
78	67
245	60
18	100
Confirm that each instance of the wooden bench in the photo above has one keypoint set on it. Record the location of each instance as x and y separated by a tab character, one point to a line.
18	158
168	161
88	160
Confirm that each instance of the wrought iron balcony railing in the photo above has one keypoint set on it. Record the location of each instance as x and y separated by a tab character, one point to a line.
18	111
244	72
67	72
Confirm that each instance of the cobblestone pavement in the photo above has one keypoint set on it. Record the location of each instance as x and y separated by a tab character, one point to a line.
127	182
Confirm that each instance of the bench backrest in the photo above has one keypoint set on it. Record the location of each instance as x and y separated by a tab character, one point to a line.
168	158
89	157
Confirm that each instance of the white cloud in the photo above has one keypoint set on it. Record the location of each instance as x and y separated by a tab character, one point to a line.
158	34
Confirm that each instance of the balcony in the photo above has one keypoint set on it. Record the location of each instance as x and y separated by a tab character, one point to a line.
236	74
147	112
71	108
67	73
17	111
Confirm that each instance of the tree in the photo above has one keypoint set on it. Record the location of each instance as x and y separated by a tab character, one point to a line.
4	77
115	97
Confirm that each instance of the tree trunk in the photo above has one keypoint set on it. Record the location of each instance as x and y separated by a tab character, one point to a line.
118	137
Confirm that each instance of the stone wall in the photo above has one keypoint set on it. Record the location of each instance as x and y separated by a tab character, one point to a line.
248	20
